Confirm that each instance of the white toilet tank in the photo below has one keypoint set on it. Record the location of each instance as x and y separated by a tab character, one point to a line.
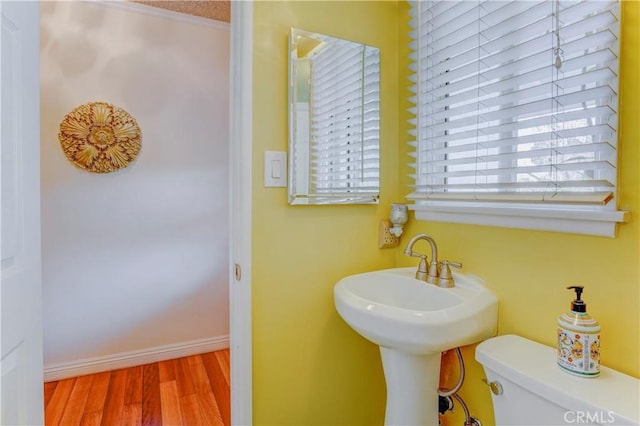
535	391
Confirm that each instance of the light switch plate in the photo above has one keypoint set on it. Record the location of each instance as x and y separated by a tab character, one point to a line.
275	169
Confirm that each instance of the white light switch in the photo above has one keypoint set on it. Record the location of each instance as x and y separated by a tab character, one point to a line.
275	169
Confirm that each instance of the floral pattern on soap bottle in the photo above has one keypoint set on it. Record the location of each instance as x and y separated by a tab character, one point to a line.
594	350
571	352
577	349
564	344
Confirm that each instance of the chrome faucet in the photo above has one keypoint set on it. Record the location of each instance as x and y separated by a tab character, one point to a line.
437	273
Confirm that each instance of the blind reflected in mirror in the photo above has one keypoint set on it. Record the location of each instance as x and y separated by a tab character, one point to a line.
334	120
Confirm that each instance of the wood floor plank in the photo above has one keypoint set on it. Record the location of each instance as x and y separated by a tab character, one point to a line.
219	385
49	388
167	370
201	382
207	401
210	411
132	415
190	408
183	377
171	413
98	392
133	388
224	361
114	403
74	409
151	411
95	399
91	419
58	401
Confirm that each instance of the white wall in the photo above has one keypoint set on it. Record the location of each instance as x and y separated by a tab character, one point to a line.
135	259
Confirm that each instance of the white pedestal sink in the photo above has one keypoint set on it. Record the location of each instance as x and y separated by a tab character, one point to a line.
413	322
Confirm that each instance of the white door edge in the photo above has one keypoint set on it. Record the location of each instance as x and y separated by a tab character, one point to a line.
240	152
21	377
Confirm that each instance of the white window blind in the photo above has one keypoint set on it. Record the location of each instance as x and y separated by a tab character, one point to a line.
516	104
345	123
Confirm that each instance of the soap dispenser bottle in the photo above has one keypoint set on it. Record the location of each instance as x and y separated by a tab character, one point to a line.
579	339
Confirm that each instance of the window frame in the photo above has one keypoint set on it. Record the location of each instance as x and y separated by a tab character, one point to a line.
567	217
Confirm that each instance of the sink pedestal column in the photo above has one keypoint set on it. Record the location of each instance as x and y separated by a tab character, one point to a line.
412	387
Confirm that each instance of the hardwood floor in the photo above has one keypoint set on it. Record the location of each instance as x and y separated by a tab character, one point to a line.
190	391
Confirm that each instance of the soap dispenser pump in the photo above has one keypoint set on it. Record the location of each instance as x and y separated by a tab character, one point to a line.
579	339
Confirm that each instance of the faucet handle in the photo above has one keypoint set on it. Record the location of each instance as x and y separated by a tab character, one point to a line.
446	279
446	271
411	253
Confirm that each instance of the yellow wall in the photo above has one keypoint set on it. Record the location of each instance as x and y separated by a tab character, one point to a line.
309	367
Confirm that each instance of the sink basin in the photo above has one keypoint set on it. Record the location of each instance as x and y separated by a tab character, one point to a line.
393	309
413	322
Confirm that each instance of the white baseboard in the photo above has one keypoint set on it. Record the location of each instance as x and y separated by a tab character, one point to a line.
115	361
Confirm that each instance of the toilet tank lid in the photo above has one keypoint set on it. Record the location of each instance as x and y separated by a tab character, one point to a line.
533	366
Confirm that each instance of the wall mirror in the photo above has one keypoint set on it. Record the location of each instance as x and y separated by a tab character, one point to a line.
334	120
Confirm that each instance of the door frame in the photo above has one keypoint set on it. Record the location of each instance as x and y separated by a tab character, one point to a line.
240	154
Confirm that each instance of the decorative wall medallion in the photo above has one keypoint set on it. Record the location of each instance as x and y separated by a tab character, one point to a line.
100	137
